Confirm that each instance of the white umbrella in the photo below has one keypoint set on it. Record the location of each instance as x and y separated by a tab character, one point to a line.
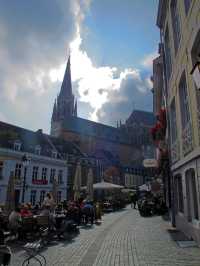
90	189
10	195
77	182
105	186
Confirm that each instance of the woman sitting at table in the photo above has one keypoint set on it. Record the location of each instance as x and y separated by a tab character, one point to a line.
15	222
25	211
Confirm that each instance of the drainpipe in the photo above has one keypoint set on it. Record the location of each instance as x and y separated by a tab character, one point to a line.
170	179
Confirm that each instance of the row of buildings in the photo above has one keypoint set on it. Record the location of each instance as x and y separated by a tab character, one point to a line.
176	99
36	159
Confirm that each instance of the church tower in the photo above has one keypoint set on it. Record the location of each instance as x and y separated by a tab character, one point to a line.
65	105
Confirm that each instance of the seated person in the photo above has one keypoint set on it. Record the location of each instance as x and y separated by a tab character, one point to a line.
15	221
59	209
25	212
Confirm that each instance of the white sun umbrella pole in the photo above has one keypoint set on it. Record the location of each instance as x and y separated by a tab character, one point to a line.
90	189
77	182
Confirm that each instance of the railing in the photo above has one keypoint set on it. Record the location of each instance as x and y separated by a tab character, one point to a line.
175	151
187	139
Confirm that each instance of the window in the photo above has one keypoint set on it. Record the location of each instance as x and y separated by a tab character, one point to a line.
17	145
52	175
184	101
33	197
168	58
175	24
1	170
191	192
37	150
59	196
173	126
179	193
44	173
187	5
42	195
18	170
35	173
60	177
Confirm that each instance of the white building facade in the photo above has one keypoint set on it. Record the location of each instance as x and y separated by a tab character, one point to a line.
36	178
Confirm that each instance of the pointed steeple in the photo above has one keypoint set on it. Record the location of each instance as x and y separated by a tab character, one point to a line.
54	114
66	88
64	106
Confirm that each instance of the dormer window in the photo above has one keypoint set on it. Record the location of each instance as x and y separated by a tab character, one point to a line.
54	154
17	145
37	150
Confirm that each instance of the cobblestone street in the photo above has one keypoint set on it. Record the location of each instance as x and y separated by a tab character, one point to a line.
124	238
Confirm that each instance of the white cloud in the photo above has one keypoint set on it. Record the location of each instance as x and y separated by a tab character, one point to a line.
2	117
94	83
147	62
34	38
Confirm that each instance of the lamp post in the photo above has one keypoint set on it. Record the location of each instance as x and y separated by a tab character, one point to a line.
25	162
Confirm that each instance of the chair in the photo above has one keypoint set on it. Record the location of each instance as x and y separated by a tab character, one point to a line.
28	225
43	225
33	251
5	253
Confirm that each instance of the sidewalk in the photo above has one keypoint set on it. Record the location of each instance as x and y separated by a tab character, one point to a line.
124	238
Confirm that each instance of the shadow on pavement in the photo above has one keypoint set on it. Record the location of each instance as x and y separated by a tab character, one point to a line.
177	235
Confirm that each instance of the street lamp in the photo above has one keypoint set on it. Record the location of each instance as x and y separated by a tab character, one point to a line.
25	163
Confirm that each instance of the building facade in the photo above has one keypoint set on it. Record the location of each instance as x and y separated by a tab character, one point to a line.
179	24
35	159
127	144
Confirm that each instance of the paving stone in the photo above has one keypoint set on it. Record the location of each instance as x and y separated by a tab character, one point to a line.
124	238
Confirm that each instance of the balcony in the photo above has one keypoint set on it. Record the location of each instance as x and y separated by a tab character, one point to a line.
39	182
187	139
175	151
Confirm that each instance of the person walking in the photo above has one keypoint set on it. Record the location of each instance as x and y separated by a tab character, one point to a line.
133	200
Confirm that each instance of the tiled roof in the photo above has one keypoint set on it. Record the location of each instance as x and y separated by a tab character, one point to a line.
141	118
9	134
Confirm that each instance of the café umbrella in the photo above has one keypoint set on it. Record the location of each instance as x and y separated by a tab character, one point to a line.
77	182
90	189
10	195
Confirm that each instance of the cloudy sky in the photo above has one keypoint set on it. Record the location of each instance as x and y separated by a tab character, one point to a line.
112	43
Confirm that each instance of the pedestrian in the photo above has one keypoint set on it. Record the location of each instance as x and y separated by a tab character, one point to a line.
134	200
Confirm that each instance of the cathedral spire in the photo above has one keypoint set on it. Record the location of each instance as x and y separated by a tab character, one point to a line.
66	88
64	106
54	114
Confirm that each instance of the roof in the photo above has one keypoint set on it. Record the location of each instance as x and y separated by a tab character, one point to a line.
90	128
29	140
161	14
139	117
